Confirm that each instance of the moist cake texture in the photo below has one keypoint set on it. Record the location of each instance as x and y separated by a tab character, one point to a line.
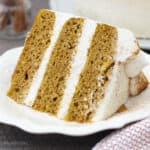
53	84
94	78
36	43
74	68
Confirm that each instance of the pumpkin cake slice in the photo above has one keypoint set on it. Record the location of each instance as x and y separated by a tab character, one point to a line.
75	68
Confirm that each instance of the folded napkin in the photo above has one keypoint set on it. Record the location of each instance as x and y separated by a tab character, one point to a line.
133	137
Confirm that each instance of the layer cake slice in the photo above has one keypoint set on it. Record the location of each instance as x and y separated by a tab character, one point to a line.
74	68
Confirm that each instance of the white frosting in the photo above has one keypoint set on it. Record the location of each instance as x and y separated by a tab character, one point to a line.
126	45
136	65
127	48
77	66
59	22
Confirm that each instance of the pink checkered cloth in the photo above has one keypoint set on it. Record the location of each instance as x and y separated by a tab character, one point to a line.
132	137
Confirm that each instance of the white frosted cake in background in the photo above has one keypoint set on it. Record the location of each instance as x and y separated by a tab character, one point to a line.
131	14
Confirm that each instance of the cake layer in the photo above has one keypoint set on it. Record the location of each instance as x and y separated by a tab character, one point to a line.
95	75
53	84
36	43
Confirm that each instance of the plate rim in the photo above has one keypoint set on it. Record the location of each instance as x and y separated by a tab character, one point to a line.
59	130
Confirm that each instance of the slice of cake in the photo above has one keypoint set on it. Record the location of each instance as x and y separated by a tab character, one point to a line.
74	68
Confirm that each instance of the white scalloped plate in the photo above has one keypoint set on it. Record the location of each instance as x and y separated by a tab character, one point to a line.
68	6
36	122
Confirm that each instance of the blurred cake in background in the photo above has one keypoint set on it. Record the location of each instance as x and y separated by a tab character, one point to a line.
15	18
131	14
